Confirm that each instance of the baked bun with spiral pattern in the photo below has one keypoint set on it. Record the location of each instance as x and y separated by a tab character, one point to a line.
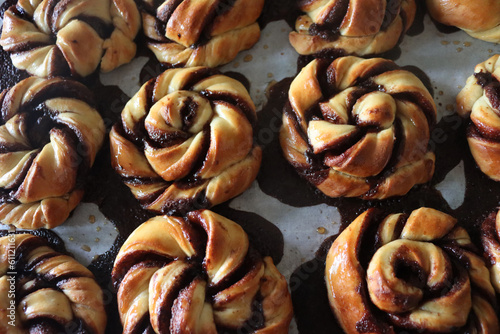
198	275
49	38
416	273
359	128
53	292
49	136
490	237
351	27
185	33
186	141
479	103
480	19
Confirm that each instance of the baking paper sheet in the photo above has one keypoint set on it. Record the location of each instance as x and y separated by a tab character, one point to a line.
448	59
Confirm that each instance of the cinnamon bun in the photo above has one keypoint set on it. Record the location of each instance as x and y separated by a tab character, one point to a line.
479	103
186	141
184	33
490	237
50	133
359	128
198	275
409	273
480	19
49	38
351	27
44	291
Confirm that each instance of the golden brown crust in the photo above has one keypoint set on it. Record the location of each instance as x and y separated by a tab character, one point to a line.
180	261
356	27
359	128
200	33
53	291
48	141
480	19
490	237
479	101
420	270
70	38
186	141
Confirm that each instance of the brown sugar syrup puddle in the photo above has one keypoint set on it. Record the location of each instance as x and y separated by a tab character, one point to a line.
105	188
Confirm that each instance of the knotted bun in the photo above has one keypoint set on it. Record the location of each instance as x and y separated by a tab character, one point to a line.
49	136
480	19
200	33
490	237
186	141
359	128
49	38
53	292
198	275
414	273
479	103
351	26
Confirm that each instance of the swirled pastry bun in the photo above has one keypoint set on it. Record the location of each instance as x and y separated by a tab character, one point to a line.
50	133
479	103
185	33
53	292
409	273
479	18
490	237
49	38
186	141
351	27
198	275
359	128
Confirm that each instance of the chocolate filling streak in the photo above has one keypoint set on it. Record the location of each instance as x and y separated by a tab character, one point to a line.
488	231
393	8
491	87
485	79
330	29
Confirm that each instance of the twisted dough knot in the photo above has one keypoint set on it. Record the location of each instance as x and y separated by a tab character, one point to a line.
186	141
417	272
53	292
351	26
198	275
359	127
480	19
200	33
490	237
49	137
479	100
49	38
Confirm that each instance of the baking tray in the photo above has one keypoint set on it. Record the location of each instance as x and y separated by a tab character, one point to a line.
288	218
